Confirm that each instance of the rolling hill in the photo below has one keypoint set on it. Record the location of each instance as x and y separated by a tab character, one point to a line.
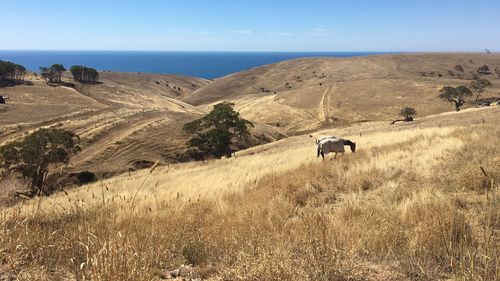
418	200
130	120
127	121
311	93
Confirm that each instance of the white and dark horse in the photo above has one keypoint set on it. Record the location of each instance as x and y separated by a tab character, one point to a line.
333	144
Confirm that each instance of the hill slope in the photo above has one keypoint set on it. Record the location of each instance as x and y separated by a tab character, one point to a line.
129	120
387	212
311	93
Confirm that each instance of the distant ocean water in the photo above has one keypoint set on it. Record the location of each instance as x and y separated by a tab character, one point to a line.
207	65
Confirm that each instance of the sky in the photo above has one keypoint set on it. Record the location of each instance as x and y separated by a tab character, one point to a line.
251	25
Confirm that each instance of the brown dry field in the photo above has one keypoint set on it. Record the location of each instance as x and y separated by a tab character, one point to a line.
133	119
411	204
352	90
130	120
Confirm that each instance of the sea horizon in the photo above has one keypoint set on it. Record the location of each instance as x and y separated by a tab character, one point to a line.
203	64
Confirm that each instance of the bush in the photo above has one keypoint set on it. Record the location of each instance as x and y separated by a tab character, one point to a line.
86	177
458	67
484	70
408	113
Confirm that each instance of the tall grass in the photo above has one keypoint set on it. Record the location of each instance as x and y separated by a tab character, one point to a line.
417	207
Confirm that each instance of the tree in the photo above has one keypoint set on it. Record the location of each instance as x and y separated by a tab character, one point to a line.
32	156
10	71
479	85
215	131
52	74
46	74
57	70
455	95
84	74
77	72
408	113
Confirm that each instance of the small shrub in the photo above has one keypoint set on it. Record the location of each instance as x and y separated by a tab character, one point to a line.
86	177
484	70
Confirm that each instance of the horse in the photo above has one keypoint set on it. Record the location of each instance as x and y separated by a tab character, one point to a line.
333	144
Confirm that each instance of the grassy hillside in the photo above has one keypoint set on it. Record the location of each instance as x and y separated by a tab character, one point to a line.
417	201
311	93
411	203
129	120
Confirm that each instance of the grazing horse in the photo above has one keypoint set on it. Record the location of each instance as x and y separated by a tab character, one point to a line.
333	144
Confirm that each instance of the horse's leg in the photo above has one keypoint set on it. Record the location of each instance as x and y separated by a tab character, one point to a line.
335	157
323	155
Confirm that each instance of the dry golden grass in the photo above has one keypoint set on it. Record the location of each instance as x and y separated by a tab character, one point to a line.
311	93
130	118
412	203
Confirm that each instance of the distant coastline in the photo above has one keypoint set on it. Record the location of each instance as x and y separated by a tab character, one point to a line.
208	65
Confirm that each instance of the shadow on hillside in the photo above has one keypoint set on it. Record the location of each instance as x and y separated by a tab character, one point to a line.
72	85
92	83
12	83
65	84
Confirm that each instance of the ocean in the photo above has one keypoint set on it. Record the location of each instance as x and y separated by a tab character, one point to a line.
207	65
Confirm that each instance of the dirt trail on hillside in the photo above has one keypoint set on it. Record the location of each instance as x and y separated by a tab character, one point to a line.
325	113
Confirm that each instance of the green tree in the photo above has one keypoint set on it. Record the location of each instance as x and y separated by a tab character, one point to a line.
32	156
84	74
408	113
214	133
479	85
455	95
77	72
47	74
11	71
52	74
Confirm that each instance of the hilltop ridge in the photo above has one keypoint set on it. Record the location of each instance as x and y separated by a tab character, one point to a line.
311	93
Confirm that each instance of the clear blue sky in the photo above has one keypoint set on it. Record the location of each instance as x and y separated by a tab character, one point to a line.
251	25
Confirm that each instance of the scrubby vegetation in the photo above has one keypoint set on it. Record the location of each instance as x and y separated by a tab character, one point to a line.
360	217
86	177
408	113
484	70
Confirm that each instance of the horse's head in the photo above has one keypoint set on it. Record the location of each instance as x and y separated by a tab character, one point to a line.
353	146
